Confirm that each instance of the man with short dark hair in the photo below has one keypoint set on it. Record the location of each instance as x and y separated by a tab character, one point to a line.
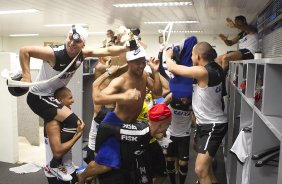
206	103
127	92
247	41
41	95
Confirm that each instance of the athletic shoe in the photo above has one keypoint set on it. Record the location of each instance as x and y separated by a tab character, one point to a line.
61	173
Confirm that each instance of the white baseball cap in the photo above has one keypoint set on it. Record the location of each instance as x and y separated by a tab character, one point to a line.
81	31
135	54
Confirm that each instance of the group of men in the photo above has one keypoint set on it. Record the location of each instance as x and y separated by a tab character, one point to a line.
121	140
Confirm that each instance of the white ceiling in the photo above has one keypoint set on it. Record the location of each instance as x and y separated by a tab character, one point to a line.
100	15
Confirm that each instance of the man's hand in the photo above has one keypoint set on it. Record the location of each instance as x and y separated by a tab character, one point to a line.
26	78
169	61
223	37
80	127
162	46
131	94
114	68
154	64
230	23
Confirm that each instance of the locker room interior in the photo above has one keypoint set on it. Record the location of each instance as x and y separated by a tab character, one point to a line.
249	152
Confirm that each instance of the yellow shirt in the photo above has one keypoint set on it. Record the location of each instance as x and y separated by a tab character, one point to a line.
143	116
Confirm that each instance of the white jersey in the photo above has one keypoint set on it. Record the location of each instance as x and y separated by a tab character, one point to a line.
66	160
46	72
206	102
181	119
242	149
248	41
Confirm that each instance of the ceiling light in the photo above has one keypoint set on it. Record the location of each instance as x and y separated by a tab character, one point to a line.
129	5
8	12
182	31
23	35
175	22
63	25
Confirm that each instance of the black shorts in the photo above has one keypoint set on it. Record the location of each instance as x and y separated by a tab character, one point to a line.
44	106
179	148
156	160
246	54
113	176
209	137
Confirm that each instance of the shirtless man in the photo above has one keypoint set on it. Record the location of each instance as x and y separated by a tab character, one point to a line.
127	92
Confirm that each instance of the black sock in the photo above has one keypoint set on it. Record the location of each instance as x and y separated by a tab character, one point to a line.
183	170
170	167
55	162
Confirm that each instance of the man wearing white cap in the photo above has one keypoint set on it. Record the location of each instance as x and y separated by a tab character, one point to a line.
128	93
40	97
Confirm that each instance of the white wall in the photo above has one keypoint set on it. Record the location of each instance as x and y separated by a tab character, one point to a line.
8	115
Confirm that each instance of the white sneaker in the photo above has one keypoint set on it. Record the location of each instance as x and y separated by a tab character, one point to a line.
61	173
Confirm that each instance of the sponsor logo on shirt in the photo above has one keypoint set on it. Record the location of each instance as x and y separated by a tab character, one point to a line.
129	138
130	126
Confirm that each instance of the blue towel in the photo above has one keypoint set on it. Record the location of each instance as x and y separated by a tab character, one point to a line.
182	86
109	152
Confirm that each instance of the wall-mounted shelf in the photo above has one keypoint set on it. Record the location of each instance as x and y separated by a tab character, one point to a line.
264	116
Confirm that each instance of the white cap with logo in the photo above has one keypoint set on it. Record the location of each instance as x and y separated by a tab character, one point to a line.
81	31
135	54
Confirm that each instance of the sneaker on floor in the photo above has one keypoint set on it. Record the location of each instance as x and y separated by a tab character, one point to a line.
61	173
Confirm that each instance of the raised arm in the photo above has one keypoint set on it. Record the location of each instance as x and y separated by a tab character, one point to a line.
154	85
108	51
112	93
229	42
196	72
44	53
97	84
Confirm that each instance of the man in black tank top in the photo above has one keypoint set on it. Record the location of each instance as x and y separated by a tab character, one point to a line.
206	102
41	96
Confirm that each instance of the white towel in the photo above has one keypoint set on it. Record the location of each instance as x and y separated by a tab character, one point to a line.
26	168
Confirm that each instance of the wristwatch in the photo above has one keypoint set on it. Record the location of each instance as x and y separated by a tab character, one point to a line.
109	70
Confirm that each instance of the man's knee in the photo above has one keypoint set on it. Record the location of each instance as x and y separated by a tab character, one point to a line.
183	167
202	165
182	163
225	58
201	170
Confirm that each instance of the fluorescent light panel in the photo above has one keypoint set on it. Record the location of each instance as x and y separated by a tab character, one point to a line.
9	12
23	35
63	25
175	22
182	31
159	4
